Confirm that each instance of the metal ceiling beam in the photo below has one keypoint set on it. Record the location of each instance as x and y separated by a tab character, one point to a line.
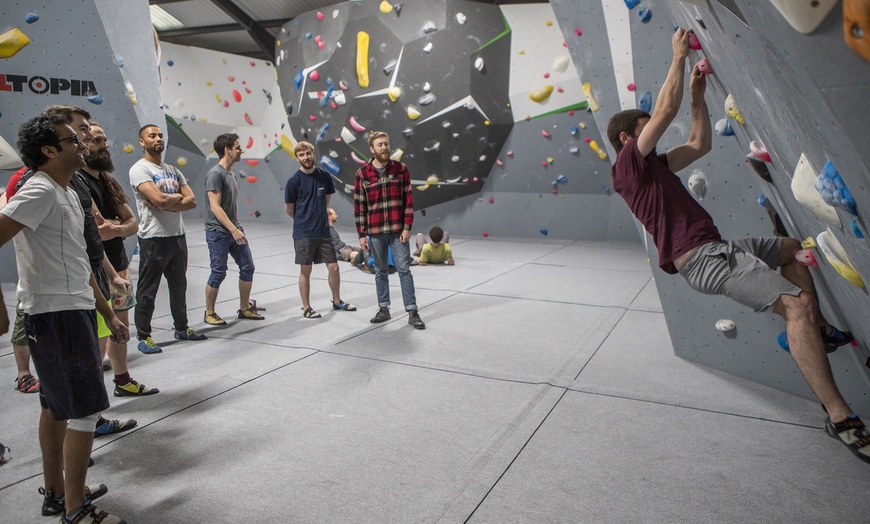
223	28
264	40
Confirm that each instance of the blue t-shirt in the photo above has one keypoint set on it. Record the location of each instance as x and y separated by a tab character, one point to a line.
308	192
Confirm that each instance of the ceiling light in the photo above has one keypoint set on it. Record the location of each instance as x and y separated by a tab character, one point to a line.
163	21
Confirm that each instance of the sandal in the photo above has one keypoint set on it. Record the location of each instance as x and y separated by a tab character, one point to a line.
27	384
343	306
310	313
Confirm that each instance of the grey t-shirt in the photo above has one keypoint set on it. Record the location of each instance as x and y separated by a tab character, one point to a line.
220	180
157	223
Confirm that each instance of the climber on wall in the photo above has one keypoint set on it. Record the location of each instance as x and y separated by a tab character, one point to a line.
689	243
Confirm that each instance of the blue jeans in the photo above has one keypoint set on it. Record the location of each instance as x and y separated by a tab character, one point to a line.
221	244
402	258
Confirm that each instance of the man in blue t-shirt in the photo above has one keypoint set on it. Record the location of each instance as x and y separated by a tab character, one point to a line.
306	199
689	243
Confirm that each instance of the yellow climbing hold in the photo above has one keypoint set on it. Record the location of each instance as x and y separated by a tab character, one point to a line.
128	148
601	154
207	83
11	42
413	113
394	93
587	90
432	180
218	98
362	58
287	146
423	188
397	155
181	161
486	122
548	23
836	255
809	243
385	7
731	109
541	94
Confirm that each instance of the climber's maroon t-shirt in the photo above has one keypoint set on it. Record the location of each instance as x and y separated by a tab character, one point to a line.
657	197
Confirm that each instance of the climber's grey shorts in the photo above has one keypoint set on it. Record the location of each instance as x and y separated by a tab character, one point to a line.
743	270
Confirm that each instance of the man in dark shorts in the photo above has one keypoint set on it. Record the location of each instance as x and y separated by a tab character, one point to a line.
58	293
306	198
689	243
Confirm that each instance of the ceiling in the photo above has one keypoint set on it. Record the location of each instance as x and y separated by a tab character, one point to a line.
245	27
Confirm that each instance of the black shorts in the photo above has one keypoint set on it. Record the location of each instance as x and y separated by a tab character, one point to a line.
66	355
314	251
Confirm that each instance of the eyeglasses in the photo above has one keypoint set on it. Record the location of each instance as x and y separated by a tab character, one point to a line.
74	139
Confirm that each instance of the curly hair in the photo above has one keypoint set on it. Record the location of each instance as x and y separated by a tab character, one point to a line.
37	132
223	142
623	121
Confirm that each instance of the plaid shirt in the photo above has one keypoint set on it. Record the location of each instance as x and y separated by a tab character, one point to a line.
383	204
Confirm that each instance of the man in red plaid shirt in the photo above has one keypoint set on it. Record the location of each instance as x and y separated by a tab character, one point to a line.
384	211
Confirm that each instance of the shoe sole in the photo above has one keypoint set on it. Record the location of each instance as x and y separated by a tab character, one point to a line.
121	430
150	351
152	391
832	432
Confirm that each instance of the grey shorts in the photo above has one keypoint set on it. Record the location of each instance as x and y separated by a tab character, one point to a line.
743	270
314	251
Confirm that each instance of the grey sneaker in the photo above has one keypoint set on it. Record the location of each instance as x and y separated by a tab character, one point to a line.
382	315
415	320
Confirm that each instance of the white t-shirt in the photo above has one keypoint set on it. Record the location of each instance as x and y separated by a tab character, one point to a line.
53	269
157	223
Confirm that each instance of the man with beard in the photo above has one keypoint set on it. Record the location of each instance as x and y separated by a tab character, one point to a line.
384	211
58	293
306	198
161	193
224	234
115	221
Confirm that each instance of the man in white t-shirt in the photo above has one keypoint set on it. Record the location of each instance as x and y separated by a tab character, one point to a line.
161	193
58	293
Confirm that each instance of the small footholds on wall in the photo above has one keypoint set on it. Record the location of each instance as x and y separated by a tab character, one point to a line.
545	232
645	15
782	340
478	64
320	16
429	27
578	31
120	61
856	230
413	113
808	243
574	150
545	134
485	234
725	325
762	200
355	125
805	257
128	148
759	167
95	99
833	190
698	184
644	103
632	87
732	110
461	18
723	127
393	93
498	162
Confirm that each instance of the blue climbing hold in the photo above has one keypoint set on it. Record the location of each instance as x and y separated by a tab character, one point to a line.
545	232
327	96
575	131
119	60
308	35
96	99
330	165
631	4
856	229
762	200
644	15
297	80
554	183
562	179
31	17
170	63
782	340
833	190
645	102
323	131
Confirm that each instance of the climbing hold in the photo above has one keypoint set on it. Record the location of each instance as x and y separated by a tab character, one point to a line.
398	8
545	134
347	136
226	103
327	96
723	127
806	257
314	75
694	43
250	143
485	234
759	167
428	48
339	99
362	59
757	150
836	256
297	80
582	125
644	103
545	232
782	340
413	113
578	31
128	148
323	131
425	100
562	179
120	61
574	150
251	179
95	99
698	184
330	165
181	161
725	325
237	96
31	18
544	163
498	162
510	154
550	160
393	93
433	145
385	7
461	18
644	14
601	154
704	67
478	63
390	67
731	109
833	190
541	94
560	64
632	87
248	119
762	200
357	159
856	229
320	16
342	85
856	26
575	131
252	162
427	87
432	180
587	90
397	155
356	126
808	243
631	4
312	118
490	200
429	27
287	146
803	187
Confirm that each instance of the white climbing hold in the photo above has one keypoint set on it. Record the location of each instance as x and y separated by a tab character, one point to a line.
347	136
560	64
461	18
478	63
725	325
698	184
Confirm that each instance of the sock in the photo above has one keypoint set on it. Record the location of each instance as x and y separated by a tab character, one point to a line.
123	379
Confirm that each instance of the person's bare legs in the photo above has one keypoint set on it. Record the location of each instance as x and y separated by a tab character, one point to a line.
798	274
117	352
420	241
245	294
305	285
22	359
76	452
334	281
51	443
807	349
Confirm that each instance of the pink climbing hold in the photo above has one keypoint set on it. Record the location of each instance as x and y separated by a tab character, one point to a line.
314	75
312	118
237	96
694	43
545	134
317	38
485	234
546	75
248	90
490	200
248	120
231	78
499	163
226	103
528	118
320	16
632	86
554	191
560	90
806	257
587	140
250	143
704	67
474	179
253	64
321	45
570	112
578	32
510	154
544	163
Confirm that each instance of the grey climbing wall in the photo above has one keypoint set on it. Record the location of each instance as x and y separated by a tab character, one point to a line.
111	55
797	94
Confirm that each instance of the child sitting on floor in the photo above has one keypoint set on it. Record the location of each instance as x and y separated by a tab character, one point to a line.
436	252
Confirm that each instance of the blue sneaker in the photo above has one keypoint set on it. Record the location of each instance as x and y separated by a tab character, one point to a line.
835	338
148	346
190	334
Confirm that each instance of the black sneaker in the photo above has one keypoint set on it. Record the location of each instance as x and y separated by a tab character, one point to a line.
382	315
90	514
835	338
853	434
415	320
52	506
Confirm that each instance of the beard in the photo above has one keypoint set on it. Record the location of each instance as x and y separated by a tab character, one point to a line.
100	162
308	164
383	157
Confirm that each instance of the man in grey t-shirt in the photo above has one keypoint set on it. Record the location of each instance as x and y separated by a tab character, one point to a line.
223	233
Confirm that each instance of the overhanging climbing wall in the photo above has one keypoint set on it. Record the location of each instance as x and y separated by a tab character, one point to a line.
803	96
